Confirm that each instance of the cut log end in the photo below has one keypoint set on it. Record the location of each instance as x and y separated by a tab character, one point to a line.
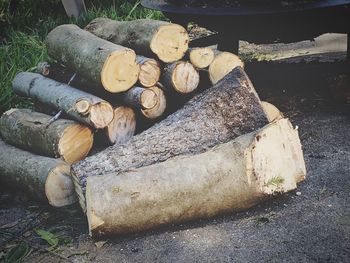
173	36
59	188
271	111
275	158
222	64
201	57
149	73
160	106
122	127
120	71
75	143
185	77
83	107
101	114
148	99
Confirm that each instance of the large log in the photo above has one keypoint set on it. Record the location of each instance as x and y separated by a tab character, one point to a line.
43	178
230	177
79	105
102	62
34	132
153	38
225	111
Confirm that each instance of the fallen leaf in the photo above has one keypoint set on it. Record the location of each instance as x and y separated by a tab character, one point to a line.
100	244
50	238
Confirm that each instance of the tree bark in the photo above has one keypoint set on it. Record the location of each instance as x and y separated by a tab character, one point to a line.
225	111
105	64
45	179
149	71
77	104
222	64
34	132
233	176
152	38
181	77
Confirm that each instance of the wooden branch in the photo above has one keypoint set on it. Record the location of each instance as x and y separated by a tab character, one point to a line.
105	64
33	132
168	42
77	104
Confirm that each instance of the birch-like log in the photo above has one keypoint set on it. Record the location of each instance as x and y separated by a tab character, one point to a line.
34	132
152	38
105	64
42	178
225	111
79	105
233	176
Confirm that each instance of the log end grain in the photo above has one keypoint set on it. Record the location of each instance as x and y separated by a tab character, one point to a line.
271	111
120	71
149	73
75	143
101	114
201	57
148	99
83	107
159	108
222	64
185	77
122	127
59	188
170	42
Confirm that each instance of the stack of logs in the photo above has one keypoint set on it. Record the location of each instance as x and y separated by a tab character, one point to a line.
115	79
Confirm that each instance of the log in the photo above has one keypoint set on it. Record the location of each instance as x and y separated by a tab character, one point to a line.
222	64
79	105
225	111
34	132
105	64
233	176
43	178
271	111
122	127
201	57
181	77
140	98
149	71
160	106
152	38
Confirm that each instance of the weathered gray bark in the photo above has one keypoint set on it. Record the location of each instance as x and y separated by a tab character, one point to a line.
34	132
180	77
229	177
42	178
167	41
105	64
225	111
63	97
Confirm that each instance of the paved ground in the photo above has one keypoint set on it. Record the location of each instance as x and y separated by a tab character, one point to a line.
311	224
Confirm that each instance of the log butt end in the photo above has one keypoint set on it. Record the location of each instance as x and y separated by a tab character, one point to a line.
101	114
120	71
160	106
148	99
201	57
271	111
222	64
172	36
185	77
75	143
275	158
59	188
149	73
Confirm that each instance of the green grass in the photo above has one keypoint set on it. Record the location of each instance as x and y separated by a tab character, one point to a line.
23	33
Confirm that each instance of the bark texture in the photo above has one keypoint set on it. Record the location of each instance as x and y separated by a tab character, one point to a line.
45	179
233	176
105	64
65	98
34	132
151	38
225	111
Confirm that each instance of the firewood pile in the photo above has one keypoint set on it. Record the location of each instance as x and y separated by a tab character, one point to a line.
181	133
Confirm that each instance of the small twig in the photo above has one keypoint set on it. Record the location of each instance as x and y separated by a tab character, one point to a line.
160	85
54	118
71	79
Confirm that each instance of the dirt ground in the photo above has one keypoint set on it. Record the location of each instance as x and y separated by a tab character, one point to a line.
311	224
